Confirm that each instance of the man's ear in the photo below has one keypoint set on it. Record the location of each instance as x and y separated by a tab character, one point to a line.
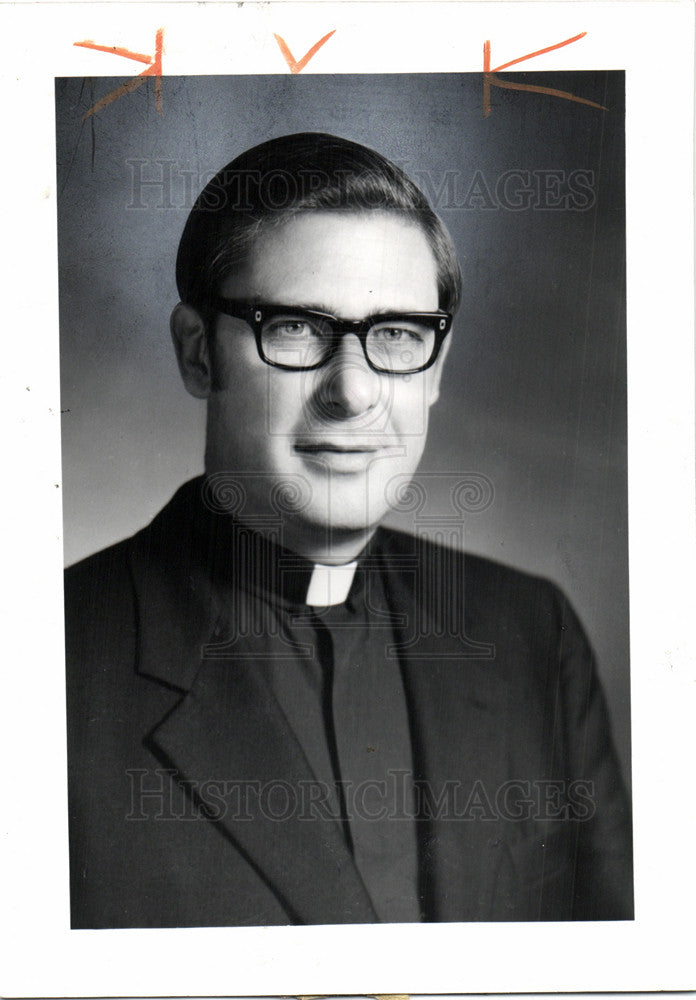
192	352
436	371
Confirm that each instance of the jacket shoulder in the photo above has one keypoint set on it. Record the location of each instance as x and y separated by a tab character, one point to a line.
97	578
96	571
495	599
100	609
479	571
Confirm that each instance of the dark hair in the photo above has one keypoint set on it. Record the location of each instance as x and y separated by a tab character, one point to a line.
291	174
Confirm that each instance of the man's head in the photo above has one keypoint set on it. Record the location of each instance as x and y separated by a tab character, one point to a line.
330	416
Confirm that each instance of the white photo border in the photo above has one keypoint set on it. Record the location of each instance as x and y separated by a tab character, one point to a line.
653	43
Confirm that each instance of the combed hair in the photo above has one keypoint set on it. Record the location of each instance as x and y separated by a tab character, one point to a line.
271	182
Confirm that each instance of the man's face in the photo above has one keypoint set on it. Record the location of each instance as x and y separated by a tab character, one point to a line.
343	438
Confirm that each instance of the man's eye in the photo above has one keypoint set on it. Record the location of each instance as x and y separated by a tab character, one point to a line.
397	334
292	329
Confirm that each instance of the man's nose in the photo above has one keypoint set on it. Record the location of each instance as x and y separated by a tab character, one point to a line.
348	386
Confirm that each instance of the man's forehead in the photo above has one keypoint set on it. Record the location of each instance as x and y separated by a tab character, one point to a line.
334	260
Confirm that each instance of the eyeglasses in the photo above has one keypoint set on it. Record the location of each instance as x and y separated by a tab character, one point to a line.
299	339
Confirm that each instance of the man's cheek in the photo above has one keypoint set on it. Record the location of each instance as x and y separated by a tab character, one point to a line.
411	408
282	409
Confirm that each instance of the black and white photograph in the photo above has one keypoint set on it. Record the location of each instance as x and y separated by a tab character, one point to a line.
369	661
348	526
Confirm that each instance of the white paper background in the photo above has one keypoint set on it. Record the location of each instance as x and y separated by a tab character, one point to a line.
654	43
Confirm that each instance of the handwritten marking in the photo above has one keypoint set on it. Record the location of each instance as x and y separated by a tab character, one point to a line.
296	66
154	68
491	80
539	52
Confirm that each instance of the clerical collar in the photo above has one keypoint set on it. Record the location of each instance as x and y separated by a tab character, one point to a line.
329	585
269	568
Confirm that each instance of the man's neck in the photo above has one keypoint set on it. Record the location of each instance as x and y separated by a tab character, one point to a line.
322	545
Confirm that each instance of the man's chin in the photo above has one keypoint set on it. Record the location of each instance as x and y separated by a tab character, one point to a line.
341	523
335	534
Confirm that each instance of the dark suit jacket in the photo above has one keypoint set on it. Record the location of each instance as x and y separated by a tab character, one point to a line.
523	815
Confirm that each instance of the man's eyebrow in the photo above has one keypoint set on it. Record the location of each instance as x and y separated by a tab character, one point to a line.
323	308
316	307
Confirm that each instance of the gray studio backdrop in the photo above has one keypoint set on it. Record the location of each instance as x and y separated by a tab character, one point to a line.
533	408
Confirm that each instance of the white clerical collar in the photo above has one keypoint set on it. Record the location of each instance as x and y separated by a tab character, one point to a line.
329	585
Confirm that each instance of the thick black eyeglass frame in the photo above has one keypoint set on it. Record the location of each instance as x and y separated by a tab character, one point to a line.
256	313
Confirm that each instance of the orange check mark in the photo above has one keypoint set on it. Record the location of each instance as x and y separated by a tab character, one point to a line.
297	65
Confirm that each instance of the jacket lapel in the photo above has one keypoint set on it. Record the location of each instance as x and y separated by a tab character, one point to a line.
229	736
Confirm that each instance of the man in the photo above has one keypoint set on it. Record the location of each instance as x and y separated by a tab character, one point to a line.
279	712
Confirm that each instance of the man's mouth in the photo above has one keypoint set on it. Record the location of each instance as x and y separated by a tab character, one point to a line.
313	447
341	456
